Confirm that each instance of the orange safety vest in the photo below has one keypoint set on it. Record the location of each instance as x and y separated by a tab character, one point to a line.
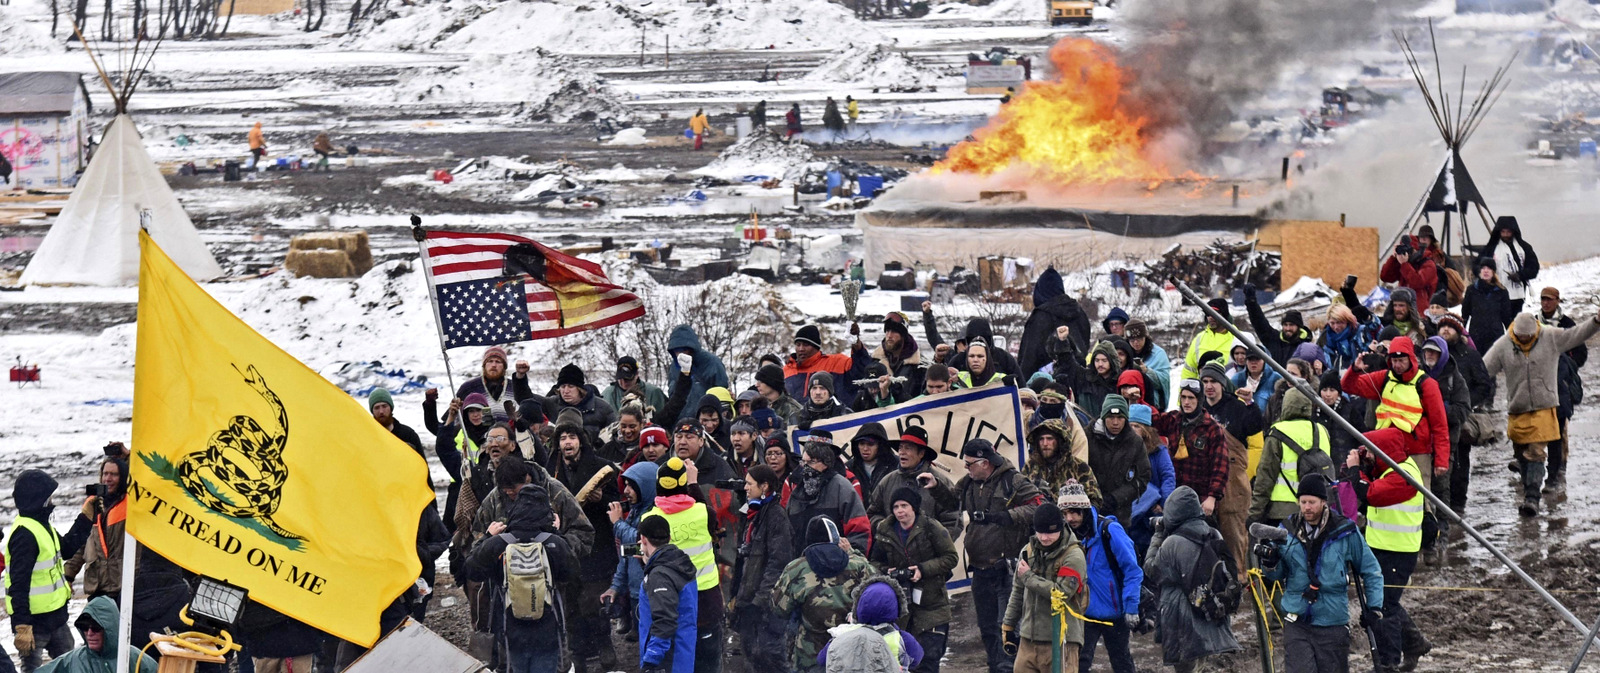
1401	404
118	514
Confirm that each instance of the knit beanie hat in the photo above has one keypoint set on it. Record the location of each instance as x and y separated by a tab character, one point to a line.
1525	326
1114	404
654	435
765	419
907	494
771	375
823	379
809	334
1047	519
822	530
570	375
1293	318
1135	329
1213	370
379	396
1073	496
1330	379
1314	484
1140	413
1220	305
672	478
1451	321
495	352
475	401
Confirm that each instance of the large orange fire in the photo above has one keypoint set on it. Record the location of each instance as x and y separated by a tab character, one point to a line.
1085	127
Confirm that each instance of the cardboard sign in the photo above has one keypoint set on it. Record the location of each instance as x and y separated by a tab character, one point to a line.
993	412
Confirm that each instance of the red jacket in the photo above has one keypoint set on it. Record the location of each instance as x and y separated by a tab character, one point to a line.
1433	433
1422	279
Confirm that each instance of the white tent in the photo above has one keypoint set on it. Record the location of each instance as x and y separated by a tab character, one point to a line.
95	239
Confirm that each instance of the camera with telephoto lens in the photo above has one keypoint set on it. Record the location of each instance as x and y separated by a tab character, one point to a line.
903	576
1403	249
729	484
114	449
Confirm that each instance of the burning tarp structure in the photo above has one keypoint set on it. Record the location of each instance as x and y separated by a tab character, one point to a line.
1074	171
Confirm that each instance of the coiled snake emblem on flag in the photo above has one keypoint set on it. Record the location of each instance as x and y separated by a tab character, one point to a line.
240	473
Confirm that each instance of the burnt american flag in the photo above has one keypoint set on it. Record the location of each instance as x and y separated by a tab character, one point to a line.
499	288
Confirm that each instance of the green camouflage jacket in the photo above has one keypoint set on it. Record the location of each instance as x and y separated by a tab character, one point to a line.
822	603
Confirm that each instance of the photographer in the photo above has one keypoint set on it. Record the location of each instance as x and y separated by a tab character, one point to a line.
1411	266
101	558
917	552
1315	554
765	549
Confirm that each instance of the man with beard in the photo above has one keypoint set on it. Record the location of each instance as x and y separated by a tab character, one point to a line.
1000	503
592	479
1091	385
1117	457
900	358
1052	309
1153	356
1315	563
769	383
1514	259
493	384
1053	459
916	470
1530	355
1199	447
381	404
1279	343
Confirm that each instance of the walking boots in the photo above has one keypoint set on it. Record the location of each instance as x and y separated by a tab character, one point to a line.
1532	480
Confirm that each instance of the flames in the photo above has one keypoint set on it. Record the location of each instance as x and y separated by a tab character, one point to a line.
1084	127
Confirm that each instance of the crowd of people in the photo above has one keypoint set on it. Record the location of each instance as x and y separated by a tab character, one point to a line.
679	515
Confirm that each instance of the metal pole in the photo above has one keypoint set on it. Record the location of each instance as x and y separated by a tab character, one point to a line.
421	235
130	549
1439	506
1584	651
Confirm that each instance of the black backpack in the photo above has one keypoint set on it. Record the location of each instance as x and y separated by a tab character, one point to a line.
1212	585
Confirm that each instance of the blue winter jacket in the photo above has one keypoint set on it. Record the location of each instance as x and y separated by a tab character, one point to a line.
630	572
1110	596
1344	547
707	370
1269	381
1163	479
1160	367
670	592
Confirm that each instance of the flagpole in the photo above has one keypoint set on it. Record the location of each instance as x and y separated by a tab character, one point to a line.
421	235
130	549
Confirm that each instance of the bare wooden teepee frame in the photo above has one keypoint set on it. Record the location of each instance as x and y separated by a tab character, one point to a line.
1453	189
138	65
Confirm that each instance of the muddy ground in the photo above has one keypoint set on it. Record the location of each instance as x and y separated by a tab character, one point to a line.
1481	618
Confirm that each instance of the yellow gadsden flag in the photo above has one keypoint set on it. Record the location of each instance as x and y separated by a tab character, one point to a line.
250	468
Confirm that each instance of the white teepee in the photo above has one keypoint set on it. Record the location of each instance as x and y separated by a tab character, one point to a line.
95	240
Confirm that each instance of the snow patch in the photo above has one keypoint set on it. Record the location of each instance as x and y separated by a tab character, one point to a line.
611	26
760	153
18	36
879	65
546	86
628	137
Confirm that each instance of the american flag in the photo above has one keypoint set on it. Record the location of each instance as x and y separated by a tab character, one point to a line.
498	288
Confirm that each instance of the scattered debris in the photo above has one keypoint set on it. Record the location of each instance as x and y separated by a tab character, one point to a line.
1222	265
760	153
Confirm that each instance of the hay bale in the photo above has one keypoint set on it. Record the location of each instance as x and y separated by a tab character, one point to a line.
353	243
317	263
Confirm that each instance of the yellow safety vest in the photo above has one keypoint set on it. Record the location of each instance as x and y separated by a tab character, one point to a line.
965	379
1397	527
469	454
1305	434
1401	406
690	534
48	589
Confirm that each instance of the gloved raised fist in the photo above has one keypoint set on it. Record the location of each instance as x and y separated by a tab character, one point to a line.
1249	291
685	361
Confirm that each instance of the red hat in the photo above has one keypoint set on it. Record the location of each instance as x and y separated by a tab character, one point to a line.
654	434
1131	377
